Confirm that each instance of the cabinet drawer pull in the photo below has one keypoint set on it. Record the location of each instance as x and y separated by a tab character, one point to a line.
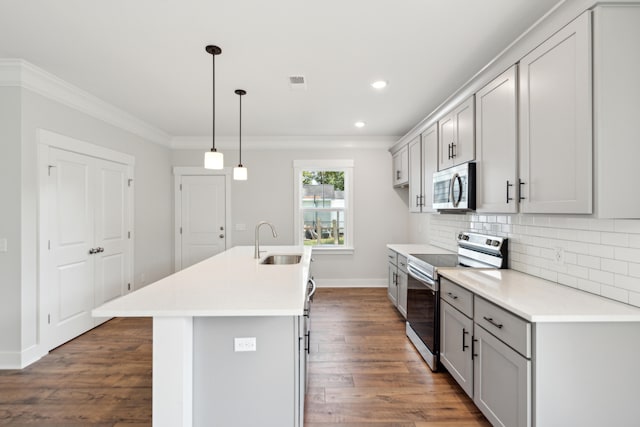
509	185
464	345
473	348
493	322
452	295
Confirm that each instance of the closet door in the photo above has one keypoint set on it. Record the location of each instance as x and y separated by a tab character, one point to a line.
69	283
89	257
111	205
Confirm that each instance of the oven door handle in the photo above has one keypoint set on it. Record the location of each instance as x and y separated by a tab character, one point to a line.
418	275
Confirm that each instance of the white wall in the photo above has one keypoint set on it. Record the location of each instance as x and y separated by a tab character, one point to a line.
380	212
597	255
10	218
153	206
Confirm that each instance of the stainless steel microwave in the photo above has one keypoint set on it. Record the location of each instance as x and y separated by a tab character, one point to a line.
455	188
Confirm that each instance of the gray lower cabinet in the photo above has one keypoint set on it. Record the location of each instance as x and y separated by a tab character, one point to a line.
392	285
402	280
264	387
487	350
456	331
397	284
501	381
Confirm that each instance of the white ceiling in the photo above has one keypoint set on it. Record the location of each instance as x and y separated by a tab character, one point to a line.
147	57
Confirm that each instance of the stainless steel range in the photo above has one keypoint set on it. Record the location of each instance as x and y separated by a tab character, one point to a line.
423	294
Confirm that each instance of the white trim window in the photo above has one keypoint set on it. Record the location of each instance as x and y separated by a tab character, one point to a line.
323	211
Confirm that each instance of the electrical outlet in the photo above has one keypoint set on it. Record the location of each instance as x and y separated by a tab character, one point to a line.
558	255
244	344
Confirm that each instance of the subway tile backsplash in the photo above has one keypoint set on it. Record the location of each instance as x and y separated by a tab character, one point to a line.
594	255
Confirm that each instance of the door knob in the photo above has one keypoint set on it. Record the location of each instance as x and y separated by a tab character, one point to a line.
222	236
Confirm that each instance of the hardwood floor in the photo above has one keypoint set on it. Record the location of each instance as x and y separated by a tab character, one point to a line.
363	371
102	379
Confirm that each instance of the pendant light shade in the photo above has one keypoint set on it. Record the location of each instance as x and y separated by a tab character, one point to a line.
213	159
240	172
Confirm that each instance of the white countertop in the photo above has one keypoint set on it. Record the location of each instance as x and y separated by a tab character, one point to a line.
538	300
406	249
231	283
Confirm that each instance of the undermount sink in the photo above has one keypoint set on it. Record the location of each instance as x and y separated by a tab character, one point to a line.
281	259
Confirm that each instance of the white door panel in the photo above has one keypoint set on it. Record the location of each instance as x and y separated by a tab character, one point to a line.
70	282
111	231
203	217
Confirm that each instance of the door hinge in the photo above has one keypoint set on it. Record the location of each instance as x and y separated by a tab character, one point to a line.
49	171
180	187
128	234
48	319
180	230
128	286
129	181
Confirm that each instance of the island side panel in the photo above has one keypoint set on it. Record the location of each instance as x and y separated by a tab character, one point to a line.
172	371
251	388
586	374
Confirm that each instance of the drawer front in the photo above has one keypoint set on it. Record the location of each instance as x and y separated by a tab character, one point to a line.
402	263
393	257
457	296
511	329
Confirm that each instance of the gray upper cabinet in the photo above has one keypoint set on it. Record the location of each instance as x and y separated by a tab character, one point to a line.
496	145
415	175
456	138
423	162
555	123
401	167
429	165
616	68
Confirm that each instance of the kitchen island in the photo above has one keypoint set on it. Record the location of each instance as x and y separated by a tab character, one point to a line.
228	339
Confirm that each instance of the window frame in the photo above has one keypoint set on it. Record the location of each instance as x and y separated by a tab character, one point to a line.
340	165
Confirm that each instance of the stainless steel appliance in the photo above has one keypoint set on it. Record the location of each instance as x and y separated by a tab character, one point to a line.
455	188
423	287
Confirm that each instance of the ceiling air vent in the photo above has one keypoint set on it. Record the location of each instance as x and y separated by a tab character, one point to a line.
297	83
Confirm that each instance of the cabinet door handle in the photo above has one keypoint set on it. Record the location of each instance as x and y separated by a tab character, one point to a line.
493	322
397	175
395	278
464	345
93	251
450	150
417	201
473	348
509	185
308	340
453	150
520	184
452	295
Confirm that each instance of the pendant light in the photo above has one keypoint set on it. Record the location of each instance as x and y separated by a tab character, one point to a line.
213	159
240	172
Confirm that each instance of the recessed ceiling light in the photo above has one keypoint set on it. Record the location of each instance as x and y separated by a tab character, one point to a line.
379	84
359	124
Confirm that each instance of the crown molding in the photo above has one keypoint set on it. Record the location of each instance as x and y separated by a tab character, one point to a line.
284	142
20	73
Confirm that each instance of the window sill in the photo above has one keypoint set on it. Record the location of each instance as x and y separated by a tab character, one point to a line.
333	251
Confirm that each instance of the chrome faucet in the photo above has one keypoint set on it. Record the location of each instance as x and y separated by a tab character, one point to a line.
256	253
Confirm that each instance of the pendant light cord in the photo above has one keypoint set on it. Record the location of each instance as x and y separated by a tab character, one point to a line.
213	121
240	130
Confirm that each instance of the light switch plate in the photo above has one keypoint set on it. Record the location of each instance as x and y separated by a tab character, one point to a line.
3	245
244	344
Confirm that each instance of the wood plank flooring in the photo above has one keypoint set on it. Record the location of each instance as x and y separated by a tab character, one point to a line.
101	379
363	371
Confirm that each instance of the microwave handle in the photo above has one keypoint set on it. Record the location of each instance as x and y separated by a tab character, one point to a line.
455	178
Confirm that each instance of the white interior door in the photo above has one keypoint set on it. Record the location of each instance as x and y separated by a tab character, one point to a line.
111	231
203	209
70	272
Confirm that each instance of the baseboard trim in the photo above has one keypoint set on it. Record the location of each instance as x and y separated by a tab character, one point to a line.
351	283
20	360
